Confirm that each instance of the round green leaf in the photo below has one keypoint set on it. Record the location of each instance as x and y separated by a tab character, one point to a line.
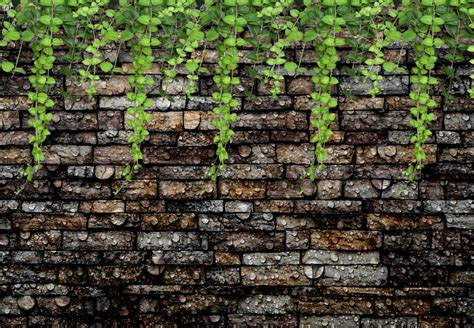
7	66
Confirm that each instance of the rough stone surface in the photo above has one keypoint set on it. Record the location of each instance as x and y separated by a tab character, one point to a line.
260	247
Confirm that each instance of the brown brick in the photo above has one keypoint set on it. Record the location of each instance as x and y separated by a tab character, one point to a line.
402	307
103	206
345	240
112	155
187	190
320	305
115	85
274	275
166	221
397	222
30	222
242	189
392	154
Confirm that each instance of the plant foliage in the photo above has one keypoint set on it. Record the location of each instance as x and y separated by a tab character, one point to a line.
434	31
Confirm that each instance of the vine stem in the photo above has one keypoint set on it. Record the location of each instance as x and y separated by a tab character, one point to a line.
17	58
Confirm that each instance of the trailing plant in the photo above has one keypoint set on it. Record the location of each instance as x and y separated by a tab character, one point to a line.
324	79
37	25
140	26
227	40
97	23
181	28
291	33
426	26
384	32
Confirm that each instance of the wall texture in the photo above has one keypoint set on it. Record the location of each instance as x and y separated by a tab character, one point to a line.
262	246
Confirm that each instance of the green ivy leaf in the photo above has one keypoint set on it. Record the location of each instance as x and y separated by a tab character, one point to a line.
7	66
389	66
295	36
291	67
106	66
409	35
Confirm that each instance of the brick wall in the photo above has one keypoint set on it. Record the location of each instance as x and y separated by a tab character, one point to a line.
263	245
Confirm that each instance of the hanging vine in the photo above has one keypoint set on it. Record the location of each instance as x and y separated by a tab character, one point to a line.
227	40
323	80
141	24
422	79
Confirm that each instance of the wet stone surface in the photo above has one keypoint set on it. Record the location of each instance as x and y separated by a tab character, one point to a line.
260	247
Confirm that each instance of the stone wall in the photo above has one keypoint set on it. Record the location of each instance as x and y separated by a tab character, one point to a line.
263	245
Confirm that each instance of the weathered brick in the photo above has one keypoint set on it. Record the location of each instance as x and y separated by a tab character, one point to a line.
266	304
460	221
242	189
114	85
290	189
253	154
103	206
187	190
114	275
182	258
249	171
392	155
223	276
145	206
357	275
28	222
397	222
112	154
345	240
206	206
394	206
327	206
340	257
361	103
360	189
402	307
168	221
415	275
246	241
329	189
9	120
457	155
113	220
406	322
12	155
40	240
449	206
274	275
329	321
459	121
373	121
390	85
274	206
288	121
425	258
50	207
406	240
257	320
185	155
98	240
236	222
169	240
298	154
297	239
282	258
321	305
